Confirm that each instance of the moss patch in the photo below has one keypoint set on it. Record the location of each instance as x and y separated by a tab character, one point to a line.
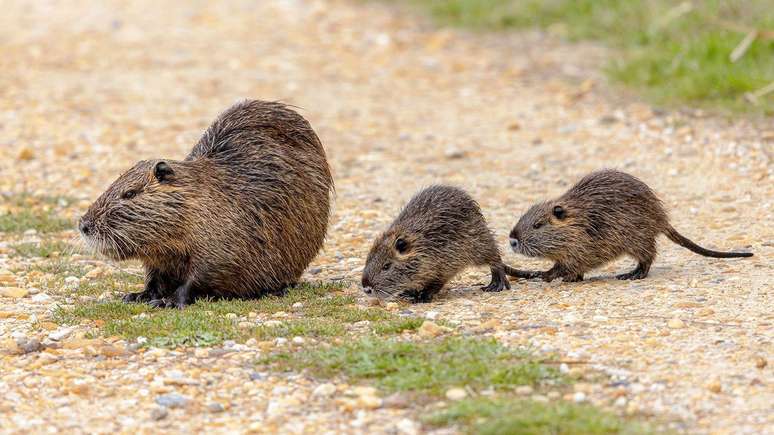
310	310
490	416
427	367
26	212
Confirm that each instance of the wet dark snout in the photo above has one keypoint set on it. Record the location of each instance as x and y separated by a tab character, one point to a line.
86	226
515	239
367	289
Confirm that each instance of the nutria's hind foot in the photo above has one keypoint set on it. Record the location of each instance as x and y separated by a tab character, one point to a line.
640	272
499	280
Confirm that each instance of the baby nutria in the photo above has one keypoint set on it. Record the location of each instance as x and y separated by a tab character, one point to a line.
436	235
606	215
241	216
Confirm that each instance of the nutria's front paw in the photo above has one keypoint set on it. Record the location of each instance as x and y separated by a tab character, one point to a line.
156	303
172	303
130	298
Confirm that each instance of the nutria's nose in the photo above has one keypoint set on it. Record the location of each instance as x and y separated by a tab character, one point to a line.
85	226
367	286
367	290
514	243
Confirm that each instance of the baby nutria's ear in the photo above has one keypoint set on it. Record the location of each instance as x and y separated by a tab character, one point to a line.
163	171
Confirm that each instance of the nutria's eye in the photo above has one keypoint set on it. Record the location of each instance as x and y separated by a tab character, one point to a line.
386	266
401	245
537	225
559	212
129	194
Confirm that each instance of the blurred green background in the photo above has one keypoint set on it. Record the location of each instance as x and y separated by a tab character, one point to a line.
675	53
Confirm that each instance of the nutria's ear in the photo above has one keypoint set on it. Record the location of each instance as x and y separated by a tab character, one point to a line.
559	212
402	246
163	171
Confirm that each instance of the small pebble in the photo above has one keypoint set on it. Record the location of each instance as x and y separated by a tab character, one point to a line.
215	407
456	394
159	413
172	400
324	390
676	323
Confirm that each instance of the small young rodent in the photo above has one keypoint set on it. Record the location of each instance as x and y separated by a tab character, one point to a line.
607	214
437	234
241	216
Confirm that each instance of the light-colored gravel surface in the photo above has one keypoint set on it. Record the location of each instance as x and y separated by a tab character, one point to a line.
87	88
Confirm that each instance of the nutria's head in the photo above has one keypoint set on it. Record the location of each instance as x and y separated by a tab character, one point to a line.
393	268
545	230
139	213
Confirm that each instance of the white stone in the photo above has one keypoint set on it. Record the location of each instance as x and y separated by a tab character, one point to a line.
431	315
324	390
456	394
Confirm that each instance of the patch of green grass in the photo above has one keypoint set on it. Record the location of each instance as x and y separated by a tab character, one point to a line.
427	367
674	52
324	312
44	249
25	212
491	416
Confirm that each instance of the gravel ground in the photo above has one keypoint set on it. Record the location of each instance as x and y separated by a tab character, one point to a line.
87	89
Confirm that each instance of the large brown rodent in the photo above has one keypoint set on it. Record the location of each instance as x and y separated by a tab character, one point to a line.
437	234
606	215
241	216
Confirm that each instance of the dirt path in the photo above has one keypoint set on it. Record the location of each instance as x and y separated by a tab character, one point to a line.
87	90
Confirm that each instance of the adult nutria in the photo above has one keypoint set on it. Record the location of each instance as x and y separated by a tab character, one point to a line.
437	234
241	216
606	215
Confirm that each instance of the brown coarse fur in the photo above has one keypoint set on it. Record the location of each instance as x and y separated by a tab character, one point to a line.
606	215
437	234
241	216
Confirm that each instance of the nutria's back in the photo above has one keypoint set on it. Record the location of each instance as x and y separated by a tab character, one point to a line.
242	215
269	194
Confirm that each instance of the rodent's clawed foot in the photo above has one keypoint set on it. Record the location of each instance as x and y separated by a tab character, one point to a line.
492	287
499	281
635	274
156	303
174	304
639	272
142	296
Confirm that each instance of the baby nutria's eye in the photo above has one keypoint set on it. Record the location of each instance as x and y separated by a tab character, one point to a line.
386	266
537	225
129	194
401	245
559	212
